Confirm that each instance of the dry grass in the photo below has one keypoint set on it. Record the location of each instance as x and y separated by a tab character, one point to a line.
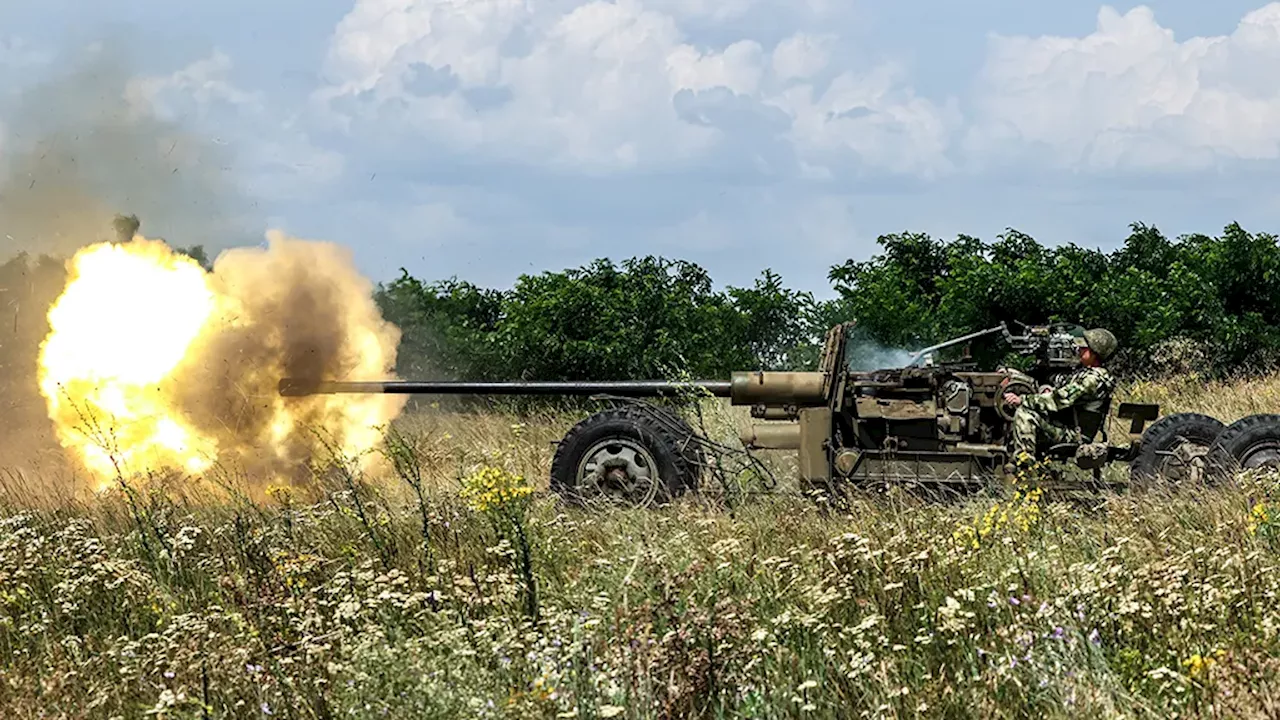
1227	401
359	597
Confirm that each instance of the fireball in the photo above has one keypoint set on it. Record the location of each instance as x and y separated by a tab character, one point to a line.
154	364
125	320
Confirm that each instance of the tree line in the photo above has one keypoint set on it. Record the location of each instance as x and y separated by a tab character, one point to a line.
1196	302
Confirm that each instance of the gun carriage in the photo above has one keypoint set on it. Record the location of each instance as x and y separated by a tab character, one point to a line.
933	422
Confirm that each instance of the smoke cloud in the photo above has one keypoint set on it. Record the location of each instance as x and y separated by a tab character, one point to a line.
863	354
83	146
296	309
153	364
149	358
78	148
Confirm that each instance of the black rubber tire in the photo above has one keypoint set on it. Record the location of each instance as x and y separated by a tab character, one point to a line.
1164	435
1242	445
663	434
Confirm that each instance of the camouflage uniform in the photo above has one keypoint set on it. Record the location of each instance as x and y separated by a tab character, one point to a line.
1040	416
1073	411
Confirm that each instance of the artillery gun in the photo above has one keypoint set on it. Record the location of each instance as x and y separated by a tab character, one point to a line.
929	423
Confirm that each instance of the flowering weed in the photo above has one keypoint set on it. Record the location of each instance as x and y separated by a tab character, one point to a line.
473	595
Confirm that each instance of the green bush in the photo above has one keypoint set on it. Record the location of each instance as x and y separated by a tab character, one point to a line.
1212	303
1207	303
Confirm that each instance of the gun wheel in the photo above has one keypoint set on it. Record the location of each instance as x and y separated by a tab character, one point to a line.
1174	449
1250	443
629	456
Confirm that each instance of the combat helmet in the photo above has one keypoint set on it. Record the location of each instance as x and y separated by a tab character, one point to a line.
1101	341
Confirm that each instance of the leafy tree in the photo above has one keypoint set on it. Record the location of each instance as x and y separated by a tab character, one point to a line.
774	324
448	328
651	317
644	319
1220	293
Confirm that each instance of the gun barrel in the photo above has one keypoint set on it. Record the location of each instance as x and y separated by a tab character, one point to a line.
291	387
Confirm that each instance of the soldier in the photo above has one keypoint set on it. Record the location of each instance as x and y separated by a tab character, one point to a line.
1072	412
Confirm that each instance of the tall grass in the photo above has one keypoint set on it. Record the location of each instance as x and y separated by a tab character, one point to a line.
444	588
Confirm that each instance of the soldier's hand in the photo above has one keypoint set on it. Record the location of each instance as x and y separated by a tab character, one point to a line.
1011	399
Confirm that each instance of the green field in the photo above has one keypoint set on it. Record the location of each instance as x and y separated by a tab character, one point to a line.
360	596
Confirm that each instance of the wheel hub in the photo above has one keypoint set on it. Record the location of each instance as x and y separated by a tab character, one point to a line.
1261	455
621	469
1188	463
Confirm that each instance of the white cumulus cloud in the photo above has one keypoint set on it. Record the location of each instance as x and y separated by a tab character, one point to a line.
873	120
801	56
621	85
205	81
1131	96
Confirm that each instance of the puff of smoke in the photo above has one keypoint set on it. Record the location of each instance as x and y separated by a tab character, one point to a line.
82	146
297	308
78	147
864	355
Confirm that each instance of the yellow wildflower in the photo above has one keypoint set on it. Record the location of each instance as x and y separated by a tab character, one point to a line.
1198	664
1021	512
966	535
280	493
1258	517
493	488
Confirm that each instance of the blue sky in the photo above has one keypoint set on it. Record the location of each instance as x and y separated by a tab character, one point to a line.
489	138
